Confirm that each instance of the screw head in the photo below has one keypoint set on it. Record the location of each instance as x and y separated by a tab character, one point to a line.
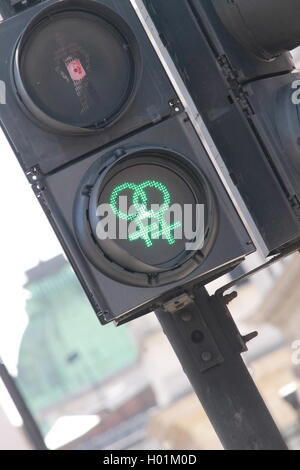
206	356
197	336
186	316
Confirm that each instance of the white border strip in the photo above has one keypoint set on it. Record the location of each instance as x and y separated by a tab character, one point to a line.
199	124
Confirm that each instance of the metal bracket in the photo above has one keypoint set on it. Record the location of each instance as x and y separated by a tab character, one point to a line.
178	303
34	174
193	328
220	292
176	105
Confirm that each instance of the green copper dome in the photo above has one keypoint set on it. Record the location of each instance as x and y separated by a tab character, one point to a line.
65	350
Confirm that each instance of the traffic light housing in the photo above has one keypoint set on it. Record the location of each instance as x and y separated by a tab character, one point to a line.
93	117
266	28
128	278
233	59
44	141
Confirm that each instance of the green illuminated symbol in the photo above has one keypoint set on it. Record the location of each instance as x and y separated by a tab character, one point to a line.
146	231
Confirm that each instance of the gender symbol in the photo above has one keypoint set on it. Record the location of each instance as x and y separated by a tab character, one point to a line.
158	227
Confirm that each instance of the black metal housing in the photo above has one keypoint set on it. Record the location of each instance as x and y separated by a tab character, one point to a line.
266	27
56	164
46	149
47	17
224	79
113	300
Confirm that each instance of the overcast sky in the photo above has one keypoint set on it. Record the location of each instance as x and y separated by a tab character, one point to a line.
25	239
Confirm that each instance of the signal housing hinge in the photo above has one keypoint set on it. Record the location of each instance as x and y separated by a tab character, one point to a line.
236	88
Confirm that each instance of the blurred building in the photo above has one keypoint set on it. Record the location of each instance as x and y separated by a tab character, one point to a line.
71	366
94	387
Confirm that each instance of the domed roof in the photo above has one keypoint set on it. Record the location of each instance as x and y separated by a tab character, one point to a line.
64	349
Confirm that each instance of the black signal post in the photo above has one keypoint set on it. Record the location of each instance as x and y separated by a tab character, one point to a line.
30	426
209	346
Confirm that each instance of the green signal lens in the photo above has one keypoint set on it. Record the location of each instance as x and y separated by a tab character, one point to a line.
150	225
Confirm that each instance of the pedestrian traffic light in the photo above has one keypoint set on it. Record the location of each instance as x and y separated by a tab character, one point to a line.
233	58
113	157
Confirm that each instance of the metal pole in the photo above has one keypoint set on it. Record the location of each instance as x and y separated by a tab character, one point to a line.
29	423
209	346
